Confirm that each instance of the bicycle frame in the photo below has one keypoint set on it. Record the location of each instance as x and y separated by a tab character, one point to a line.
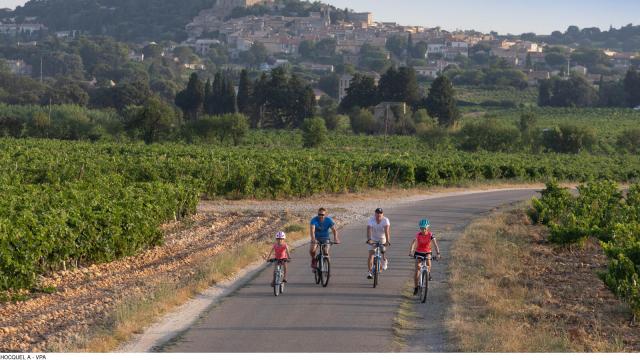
423	268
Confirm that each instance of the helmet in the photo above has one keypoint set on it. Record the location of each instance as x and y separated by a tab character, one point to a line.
281	235
424	223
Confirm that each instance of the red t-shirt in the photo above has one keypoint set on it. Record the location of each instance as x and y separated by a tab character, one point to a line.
280	251
424	242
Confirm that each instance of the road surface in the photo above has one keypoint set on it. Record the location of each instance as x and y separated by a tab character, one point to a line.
349	315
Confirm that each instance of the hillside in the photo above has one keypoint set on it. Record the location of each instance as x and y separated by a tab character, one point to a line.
123	19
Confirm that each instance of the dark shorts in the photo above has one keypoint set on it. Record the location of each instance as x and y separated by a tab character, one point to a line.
427	255
323	241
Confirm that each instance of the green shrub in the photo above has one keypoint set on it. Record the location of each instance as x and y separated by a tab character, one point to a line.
314	132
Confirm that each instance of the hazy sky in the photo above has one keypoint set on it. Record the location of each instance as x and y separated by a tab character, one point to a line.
514	16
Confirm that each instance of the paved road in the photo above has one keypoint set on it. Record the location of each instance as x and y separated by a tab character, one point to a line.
349	315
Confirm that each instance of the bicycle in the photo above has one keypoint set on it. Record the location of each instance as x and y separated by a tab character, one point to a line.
278	276
323	264
377	262
423	278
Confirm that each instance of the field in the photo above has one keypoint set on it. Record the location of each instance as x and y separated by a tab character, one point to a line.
507	96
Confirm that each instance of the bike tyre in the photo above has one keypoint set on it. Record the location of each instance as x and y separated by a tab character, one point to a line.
425	287
326	273
375	272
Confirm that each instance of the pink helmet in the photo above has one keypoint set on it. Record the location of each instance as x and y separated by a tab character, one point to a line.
281	235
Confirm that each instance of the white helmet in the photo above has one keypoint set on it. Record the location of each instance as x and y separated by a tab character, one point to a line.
281	235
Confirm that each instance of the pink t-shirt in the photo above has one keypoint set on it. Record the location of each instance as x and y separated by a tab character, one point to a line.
280	251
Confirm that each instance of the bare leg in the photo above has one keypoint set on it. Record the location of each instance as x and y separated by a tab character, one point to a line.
370	260
416	276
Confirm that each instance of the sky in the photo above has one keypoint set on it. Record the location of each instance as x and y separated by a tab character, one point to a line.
503	16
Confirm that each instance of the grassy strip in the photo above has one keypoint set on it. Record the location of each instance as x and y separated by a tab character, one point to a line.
134	314
406	321
495	308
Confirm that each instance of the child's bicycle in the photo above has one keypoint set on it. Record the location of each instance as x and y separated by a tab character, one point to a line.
423	278
323	264
278	276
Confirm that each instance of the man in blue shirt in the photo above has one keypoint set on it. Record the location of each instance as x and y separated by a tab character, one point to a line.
319	232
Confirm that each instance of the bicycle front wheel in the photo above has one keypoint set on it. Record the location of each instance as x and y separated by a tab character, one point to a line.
276	284
326	271
376	271
317	273
425	286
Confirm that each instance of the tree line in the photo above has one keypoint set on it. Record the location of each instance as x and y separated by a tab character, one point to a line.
576	91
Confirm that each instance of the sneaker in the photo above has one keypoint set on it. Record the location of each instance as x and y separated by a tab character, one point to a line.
415	291
284	281
385	265
369	275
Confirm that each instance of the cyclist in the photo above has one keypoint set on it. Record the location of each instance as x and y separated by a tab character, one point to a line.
280	251
319	232
378	232
421	246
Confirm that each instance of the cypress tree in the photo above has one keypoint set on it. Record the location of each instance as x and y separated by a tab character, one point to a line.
244	93
441	102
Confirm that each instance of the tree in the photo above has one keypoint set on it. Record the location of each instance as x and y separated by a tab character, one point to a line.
362	92
238	127
632	87
184	53
314	132
191	99
441	103
244	92
363	122
574	92
152	51
397	44
399	85
544	93
555	59
330	84
152	122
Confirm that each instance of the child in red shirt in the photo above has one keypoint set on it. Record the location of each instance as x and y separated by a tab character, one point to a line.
421	246
280	251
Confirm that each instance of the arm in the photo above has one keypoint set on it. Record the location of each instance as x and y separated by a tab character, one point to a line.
312	233
335	235
435	243
368	234
387	233
288	253
413	247
269	256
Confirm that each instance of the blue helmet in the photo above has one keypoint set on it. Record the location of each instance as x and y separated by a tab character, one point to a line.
424	223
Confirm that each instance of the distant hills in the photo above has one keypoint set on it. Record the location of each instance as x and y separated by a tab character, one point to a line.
125	20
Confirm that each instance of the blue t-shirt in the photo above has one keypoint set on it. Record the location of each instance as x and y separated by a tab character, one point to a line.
322	228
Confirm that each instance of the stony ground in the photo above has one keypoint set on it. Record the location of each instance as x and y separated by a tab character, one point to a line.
85	298
576	299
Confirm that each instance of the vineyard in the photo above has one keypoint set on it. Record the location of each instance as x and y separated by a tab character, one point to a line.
603	212
75	203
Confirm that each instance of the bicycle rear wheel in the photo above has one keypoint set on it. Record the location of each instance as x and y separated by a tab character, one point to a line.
425	287
326	271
